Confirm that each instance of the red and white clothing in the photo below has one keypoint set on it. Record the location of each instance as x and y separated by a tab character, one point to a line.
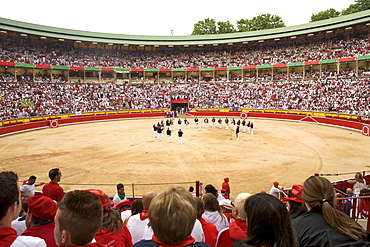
46	232
54	191
210	232
120	238
9	238
236	230
136	226
226	187
215	218
27	189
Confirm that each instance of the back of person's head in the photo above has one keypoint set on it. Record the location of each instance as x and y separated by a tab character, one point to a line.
147	198
267	214
239	205
172	214
53	173
319	194
358	177
137	206
211	203
211	189
42	209
191	189
200	206
120	186
9	192
111	217
78	218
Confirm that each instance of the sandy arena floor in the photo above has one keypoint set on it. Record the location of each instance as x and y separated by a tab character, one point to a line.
100	155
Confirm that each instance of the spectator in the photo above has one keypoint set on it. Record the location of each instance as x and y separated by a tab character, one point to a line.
138	222
53	189
112	233
19	224
136	208
323	225
294	201
210	230
10	206
212	190
358	183
173	205
226	187
364	205
120	194
28	187
213	213
78	218
267	214
276	190
40	219
238	228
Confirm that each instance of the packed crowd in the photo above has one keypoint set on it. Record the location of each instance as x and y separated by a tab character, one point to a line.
349	96
175	217
26	50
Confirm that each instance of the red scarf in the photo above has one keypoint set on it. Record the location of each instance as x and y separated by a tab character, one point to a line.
189	241
7	236
144	214
25	182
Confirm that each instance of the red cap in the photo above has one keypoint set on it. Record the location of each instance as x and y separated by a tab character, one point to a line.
42	207
226	178
276	183
123	204
102	196
295	194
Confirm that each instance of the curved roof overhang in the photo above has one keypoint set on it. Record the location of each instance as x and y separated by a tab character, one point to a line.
350	22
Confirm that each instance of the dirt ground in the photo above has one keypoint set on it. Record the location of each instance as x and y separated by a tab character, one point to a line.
100	155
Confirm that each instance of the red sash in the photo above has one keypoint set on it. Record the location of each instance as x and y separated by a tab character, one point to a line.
189	241
25	182
7	236
144	214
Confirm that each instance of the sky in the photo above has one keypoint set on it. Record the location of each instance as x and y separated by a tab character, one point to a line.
158	18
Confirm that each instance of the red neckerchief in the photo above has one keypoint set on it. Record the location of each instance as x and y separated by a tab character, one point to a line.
189	241
25	182
7	236
144	214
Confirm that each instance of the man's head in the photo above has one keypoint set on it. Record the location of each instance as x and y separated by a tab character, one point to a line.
120	188
147	198
276	184
226	179
238	210
31	179
55	175
175	204
10	205
78	218
41	211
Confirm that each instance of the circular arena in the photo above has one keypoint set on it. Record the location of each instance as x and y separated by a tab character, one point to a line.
56	82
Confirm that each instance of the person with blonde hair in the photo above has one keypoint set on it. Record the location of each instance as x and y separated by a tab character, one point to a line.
323	225
172	216
238	228
358	183
213	213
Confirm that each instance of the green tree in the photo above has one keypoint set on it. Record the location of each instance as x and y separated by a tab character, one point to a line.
359	5
323	15
225	27
208	26
260	22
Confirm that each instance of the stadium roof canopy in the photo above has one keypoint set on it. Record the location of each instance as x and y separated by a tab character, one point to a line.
340	24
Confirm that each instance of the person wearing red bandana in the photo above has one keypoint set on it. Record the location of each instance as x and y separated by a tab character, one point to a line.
78	218
53	189
238	228
113	233
28	187
172	216
137	223
40	219
10	206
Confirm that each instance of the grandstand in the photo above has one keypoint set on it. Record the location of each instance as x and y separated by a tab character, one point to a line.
313	73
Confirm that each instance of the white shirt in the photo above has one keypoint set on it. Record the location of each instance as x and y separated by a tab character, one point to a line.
215	218
118	200
125	214
28	189
136	226
28	241
275	191
19	226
